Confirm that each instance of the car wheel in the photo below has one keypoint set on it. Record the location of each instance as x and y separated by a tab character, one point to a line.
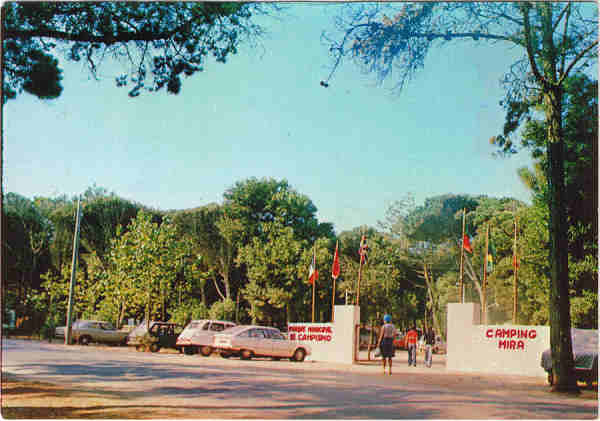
245	354
188	350
225	354
299	355
84	340
206	350
154	347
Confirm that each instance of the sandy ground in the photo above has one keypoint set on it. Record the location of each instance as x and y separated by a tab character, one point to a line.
177	387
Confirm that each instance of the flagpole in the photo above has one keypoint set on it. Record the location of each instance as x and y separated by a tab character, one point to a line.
516	266
360	253
462	252
334	278
484	286
313	283
68	329
358	287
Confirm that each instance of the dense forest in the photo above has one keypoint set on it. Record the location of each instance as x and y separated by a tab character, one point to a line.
247	258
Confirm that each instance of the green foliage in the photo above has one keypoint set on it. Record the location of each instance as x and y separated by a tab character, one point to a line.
146	260
188	311
222	310
159	43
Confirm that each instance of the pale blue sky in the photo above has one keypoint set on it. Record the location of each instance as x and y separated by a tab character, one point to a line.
353	148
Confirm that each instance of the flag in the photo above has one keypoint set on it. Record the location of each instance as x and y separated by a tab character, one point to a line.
313	273
515	262
363	250
491	257
335	269
467	243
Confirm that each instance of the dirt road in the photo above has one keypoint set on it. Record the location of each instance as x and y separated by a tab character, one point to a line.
53	381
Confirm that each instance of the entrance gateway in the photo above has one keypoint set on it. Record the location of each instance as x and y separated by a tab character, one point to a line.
330	342
471	346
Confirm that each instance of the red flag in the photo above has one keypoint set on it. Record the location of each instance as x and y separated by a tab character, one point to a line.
515	262
335	269
313	273
467	243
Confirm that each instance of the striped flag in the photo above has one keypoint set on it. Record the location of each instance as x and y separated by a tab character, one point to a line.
363	251
467	243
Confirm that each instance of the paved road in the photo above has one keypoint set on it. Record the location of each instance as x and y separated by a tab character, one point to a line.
197	387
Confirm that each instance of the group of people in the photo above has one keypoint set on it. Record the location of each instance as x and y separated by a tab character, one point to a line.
386	344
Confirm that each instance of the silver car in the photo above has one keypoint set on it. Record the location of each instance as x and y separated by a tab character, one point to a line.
198	336
258	341
86	331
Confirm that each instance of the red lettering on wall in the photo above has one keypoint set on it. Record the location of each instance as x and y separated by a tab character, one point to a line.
489	333
532	334
521	345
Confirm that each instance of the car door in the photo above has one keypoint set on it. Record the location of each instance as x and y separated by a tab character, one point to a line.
256	341
264	343
105	332
280	346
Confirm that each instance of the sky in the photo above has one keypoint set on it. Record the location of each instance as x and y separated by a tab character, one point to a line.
353	148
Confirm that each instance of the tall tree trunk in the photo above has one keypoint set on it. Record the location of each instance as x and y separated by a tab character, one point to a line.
560	317
432	298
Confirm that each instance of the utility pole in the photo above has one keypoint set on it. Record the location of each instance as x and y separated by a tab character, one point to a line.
485	264
516	268
73	273
461	292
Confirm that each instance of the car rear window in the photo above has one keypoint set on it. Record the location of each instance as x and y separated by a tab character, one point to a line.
235	329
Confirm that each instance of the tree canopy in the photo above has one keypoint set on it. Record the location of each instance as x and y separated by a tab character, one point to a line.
156	43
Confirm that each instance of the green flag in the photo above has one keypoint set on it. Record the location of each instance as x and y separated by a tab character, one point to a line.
491	257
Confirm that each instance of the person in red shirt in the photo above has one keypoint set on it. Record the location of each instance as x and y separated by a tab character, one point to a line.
411	341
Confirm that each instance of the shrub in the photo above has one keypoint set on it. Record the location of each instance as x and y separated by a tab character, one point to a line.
222	310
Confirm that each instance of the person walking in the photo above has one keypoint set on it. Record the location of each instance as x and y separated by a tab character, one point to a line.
386	342
411	341
429	343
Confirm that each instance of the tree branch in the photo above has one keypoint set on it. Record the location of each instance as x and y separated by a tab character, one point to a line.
564	42
575	60
528	44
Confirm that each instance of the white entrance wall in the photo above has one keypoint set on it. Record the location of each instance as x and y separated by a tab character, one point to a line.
502	349
332	342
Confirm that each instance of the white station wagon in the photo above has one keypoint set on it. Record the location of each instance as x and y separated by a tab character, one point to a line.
198	336
258	341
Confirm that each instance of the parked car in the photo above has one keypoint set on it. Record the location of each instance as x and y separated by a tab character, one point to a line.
585	356
198	336
86	331
162	335
258	341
